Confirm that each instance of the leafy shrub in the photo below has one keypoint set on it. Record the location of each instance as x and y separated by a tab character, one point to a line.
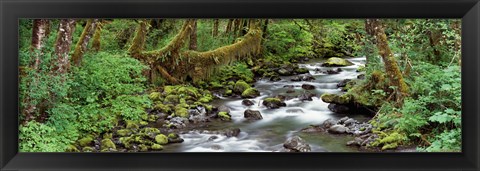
286	40
38	137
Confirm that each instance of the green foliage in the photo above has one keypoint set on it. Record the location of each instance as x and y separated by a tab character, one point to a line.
286	40
38	137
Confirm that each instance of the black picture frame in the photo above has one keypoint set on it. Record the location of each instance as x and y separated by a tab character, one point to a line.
12	10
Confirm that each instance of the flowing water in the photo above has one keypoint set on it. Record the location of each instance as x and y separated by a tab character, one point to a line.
277	125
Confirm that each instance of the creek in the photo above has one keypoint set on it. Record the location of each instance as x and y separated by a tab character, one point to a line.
277	125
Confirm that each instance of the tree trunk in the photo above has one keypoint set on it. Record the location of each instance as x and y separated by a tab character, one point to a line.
63	43
265	28
228	28
96	42
391	67
215	28
176	66
39	33
236	26
193	37
244	29
82	44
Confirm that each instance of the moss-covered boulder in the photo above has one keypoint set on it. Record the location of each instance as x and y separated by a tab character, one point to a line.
224	116
107	144
337	99
154	96
336	61
126	141
161	139
87	141
171	99
88	149
132	125
301	70
142	148
181	110
162	108
150	131
72	148
207	98
157	147
240	86
169	90
250	93
273	103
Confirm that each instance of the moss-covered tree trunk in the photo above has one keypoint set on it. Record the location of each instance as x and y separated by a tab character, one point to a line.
96	42
215	28
192	44
175	65
236	26
82	44
391	66
62	45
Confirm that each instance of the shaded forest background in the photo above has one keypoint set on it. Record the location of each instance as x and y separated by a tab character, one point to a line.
83	77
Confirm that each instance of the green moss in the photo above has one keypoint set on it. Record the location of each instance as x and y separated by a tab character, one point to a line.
240	86
72	148
390	146
143	123
152	118
215	84
132	125
85	141
108	144
301	70
189	90
224	116
171	99
126	141
169	90
142	148
250	93
361	68
206	98
161	139
107	135
157	147
181	112
150	131
124	132
172	135
88	149
138	139
163	108
155	96
337	99
272	100
228	92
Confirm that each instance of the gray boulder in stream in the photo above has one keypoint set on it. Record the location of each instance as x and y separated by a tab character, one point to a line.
252	115
296	144
308	86
336	61
337	129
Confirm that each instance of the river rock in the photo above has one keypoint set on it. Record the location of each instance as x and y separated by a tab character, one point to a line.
328	123
337	129
174	138
177	122
361	76
297	144
304	77
336	61
308	86
294	111
284	72
232	132
338	108
343	83
273	103
313	129
250	93
306	96
252	114
216	147
349	121
247	102
275	78
224	108
288	86
301	70
332	71
211	138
